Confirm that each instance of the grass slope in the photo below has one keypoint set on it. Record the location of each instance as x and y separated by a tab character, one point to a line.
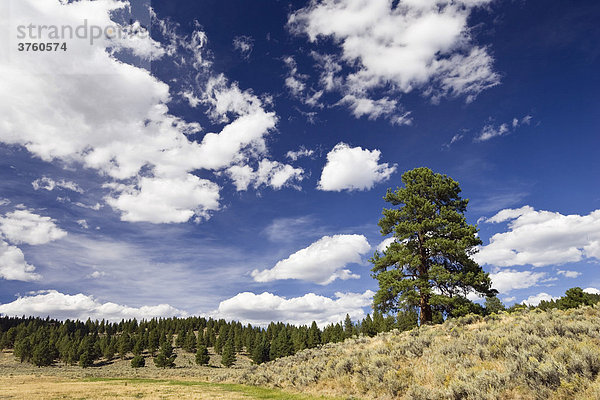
526	355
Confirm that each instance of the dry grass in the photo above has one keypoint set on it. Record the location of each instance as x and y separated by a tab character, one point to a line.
117	379
27	387
533	355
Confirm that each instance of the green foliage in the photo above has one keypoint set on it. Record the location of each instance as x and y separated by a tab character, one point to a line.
23	350
86	360
228	357
138	362
124	345
261	350
429	264
43	354
190	343
165	357
493	305
282	345
202	357
407	320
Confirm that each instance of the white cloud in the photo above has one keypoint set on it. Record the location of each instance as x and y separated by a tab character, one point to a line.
507	280
456	138
385	243
411	45
261	309
83	223
534	300
373	109
297	85
94	207
352	168
97	274
23	226
301	152
491	131
322	262
13	265
542	238
269	173
569	274
49	184
80	306
591	290
122	126
162	200
509	299
244	45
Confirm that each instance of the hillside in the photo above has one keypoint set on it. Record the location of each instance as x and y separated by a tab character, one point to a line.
532	354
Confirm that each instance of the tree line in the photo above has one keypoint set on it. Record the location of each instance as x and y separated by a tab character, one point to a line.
44	342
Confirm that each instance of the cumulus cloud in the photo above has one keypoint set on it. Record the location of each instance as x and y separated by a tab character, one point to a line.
122	127
373	109
568	274
401	47
322	262
23	226
535	300
541	238
269	173
510	279
385	243
591	290
164	200
261	309
80	306
352	168
13	265
49	184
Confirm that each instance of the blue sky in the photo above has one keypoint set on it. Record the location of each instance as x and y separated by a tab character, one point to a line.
229	158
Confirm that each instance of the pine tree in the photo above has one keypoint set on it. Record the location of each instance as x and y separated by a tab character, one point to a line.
190	342
85	359
138	347
42	354
138	362
228	357
367	328
124	345
429	264
314	336
260	350
202	357
181	337
23	350
110	349
493	305
348	327
165	357
407	320
153	342
281	345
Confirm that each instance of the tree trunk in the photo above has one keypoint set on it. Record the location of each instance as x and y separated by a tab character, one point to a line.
425	316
